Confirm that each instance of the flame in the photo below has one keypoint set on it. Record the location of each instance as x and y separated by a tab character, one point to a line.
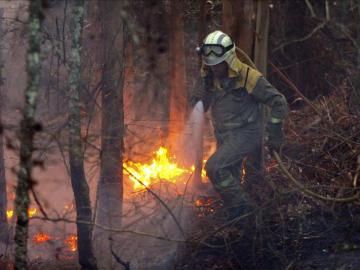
71	242
203	202
41	238
161	168
243	174
203	172
68	208
205	205
9	214
31	212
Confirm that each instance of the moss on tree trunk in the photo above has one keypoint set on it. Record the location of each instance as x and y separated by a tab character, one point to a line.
27	131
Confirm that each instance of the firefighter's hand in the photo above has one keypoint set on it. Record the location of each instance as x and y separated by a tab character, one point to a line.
276	136
203	91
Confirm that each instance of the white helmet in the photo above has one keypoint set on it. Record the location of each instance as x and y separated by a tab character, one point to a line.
216	47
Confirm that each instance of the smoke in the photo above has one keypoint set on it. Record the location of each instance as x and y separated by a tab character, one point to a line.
191	142
196	122
144	213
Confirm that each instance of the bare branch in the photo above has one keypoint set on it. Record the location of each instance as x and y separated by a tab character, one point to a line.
308	192
160	200
105	228
117	258
309	35
309	5
327	10
292	85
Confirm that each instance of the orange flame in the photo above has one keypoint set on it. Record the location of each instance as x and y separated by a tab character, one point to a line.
243	174
203	202
71	242
68	208
204	205
203	172
161	168
41	238
32	212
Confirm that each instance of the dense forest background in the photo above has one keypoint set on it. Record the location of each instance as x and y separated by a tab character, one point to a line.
91	90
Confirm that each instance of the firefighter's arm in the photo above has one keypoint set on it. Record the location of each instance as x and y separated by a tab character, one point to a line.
202	92
265	93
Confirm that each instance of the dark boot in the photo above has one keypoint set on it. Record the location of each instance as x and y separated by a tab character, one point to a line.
235	203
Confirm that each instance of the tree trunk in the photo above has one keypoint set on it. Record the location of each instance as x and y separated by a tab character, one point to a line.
110	188
78	180
27	132
129	77
178	91
237	22
204	22
3	194
262	35
260	55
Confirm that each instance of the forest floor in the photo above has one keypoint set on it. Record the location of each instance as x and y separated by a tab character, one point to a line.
297	236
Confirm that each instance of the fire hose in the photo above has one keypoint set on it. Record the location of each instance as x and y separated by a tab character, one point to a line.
308	192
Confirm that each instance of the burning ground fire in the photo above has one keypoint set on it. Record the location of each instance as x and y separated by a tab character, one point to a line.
70	241
41	238
162	167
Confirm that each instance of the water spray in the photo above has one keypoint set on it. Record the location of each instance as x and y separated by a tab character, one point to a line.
197	124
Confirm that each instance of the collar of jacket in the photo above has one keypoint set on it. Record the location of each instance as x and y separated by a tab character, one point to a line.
240	74
228	83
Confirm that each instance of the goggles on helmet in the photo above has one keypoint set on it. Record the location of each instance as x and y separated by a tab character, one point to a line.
216	49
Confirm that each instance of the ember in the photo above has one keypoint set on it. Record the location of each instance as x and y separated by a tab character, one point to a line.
71	242
205	205
204	201
271	165
41	238
243	173
68	208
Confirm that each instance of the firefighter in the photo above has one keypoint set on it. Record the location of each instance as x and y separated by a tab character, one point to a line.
233	91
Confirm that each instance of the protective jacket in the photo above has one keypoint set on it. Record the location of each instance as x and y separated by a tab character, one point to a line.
235	109
234	101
